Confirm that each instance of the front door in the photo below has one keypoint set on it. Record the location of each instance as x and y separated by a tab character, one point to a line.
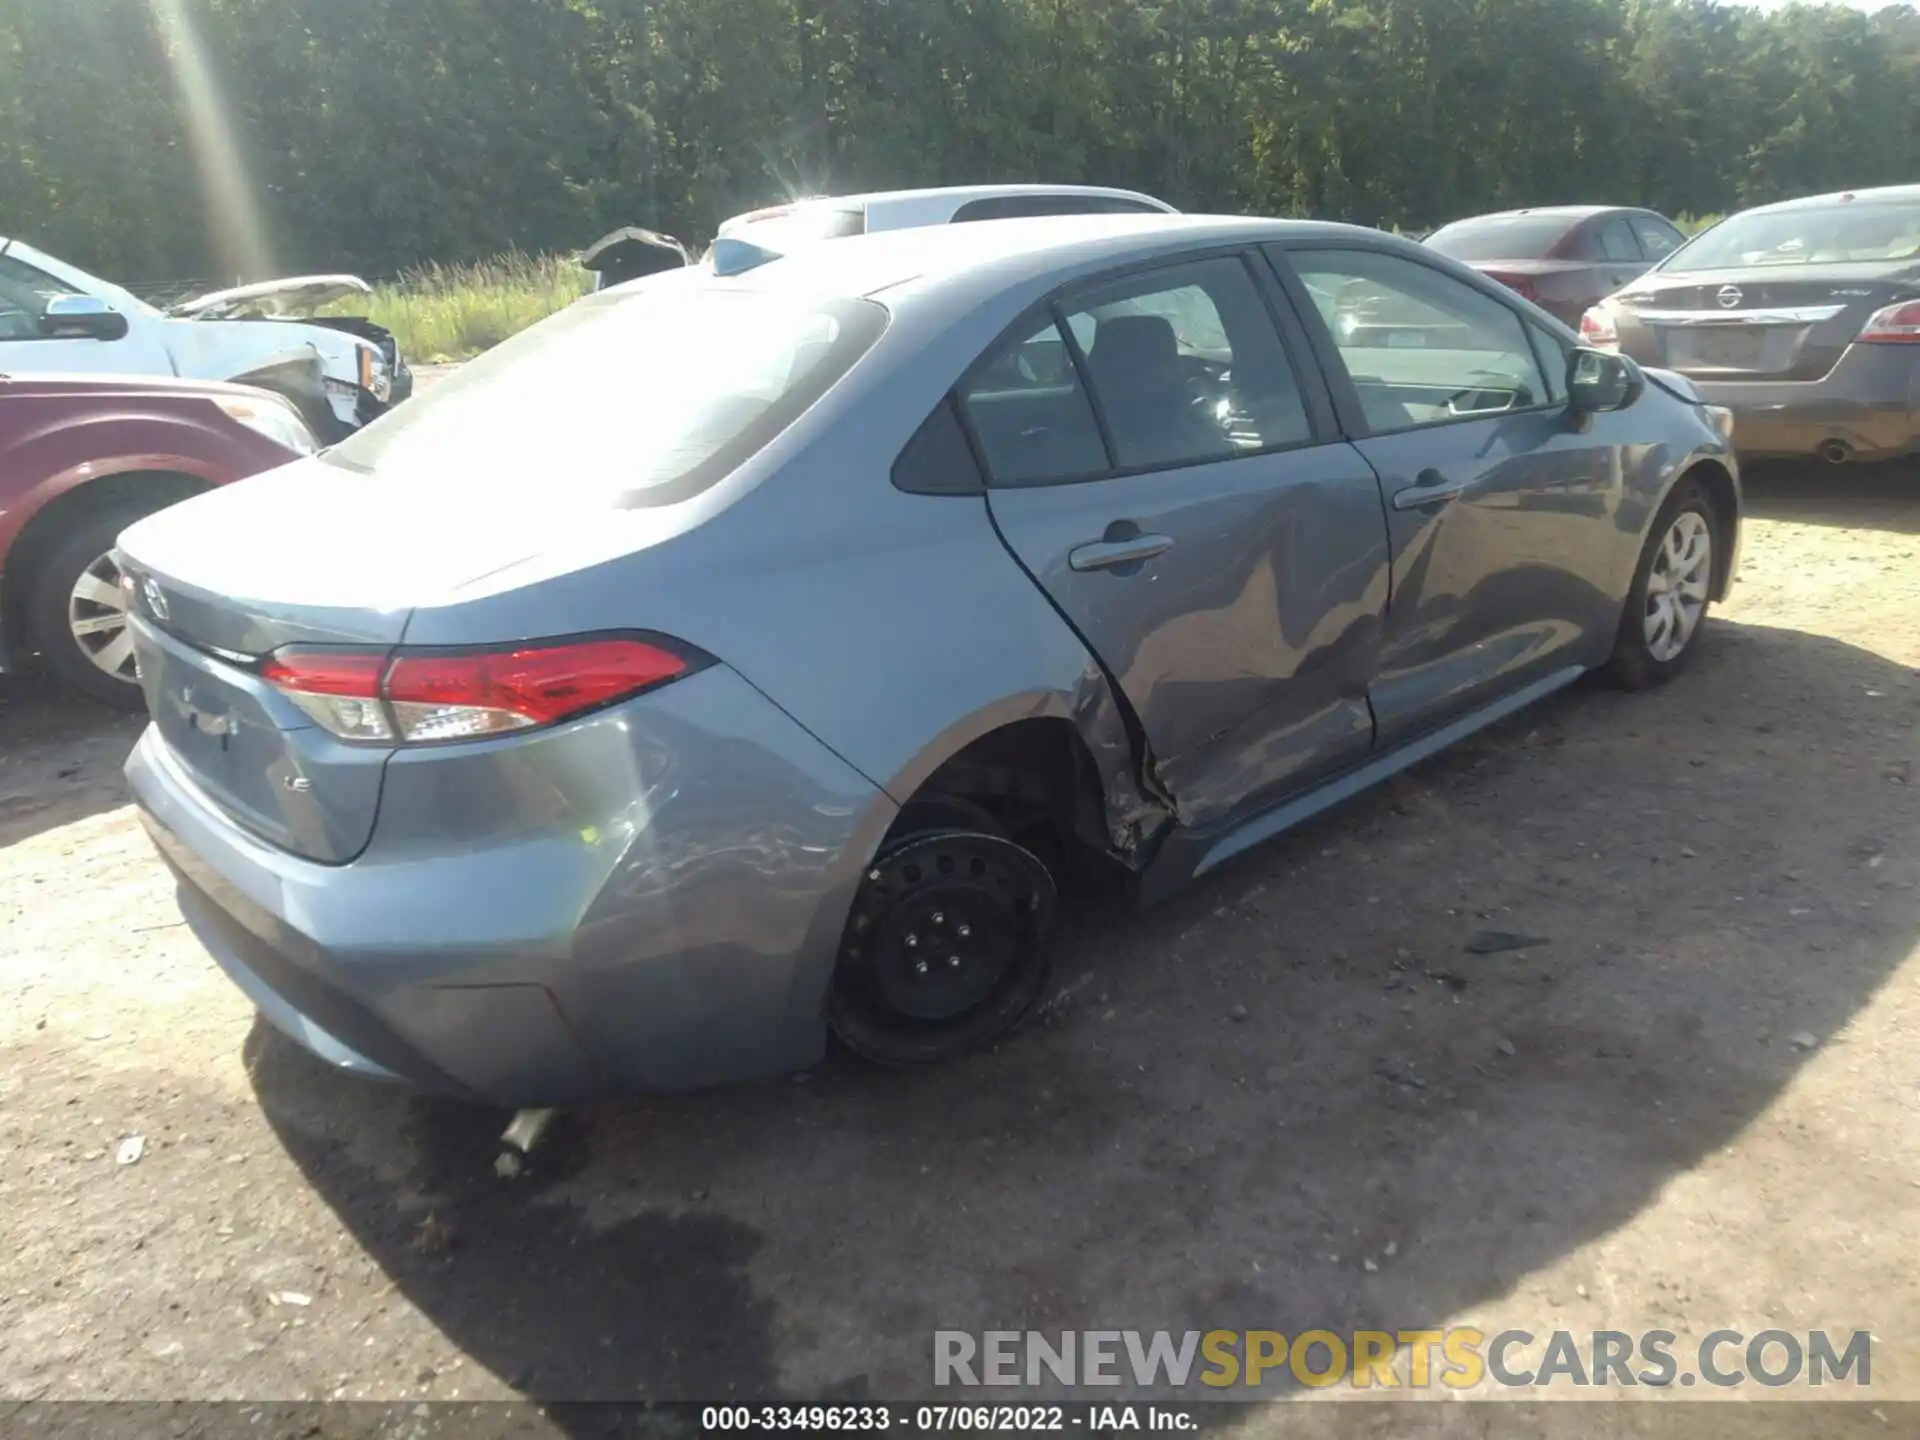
1501	506
25	290
1159	467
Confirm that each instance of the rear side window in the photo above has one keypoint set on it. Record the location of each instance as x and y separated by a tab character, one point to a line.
938	460
1186	366
637	397
1031	415
1608	242
1657	238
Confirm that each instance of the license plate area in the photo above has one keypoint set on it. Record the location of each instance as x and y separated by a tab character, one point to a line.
1722	347
288	782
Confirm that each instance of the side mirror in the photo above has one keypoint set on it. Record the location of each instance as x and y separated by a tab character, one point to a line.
81	317
1599	380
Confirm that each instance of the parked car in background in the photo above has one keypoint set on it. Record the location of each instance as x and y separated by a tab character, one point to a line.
762	235
587	744
339	371
1564	258
1802	318
81	458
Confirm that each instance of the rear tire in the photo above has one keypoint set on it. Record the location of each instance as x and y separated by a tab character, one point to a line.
78	617
1667	605
945	948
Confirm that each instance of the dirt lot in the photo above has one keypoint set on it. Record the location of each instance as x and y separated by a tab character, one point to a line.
1290	1098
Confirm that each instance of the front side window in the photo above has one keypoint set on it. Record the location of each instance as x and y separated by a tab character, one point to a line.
1187	366
24	293
1422	348
1031	415
633	397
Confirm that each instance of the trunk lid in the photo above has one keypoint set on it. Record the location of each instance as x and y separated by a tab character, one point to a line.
309	554
1785	323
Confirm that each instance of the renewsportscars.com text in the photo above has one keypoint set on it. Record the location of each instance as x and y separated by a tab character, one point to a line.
1459	1358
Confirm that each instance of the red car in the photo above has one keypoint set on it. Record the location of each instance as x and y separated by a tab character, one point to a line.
1562	257
82	458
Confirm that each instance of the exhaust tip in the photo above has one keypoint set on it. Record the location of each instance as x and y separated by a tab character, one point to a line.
1835	452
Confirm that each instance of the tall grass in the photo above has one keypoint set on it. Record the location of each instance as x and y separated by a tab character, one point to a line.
440	313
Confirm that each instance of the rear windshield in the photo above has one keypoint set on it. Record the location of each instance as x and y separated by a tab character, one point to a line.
1850	232
637	398
1500	237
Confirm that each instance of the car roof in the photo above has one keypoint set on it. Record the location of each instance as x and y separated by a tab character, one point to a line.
991	255
1879	195
1566	212
960	194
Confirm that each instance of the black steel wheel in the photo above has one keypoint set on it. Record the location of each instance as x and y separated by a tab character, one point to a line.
945	948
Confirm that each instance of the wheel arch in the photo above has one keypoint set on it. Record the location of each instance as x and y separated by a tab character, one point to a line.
1724	494
75	497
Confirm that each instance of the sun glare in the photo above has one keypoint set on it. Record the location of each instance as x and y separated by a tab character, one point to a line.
234	218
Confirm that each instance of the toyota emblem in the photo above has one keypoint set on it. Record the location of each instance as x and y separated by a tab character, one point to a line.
1728	297
156	602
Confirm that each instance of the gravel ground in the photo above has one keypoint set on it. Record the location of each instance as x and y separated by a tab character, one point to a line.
1289	1098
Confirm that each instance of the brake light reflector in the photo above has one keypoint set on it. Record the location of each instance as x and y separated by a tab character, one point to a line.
1895	325
1598	330
339	690
420	697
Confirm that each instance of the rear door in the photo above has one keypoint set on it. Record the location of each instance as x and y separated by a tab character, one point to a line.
1500	508
1611	252
1164	465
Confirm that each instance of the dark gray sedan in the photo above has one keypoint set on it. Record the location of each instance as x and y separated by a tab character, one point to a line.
1802	318
725	661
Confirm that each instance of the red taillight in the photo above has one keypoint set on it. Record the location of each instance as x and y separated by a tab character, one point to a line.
1519	284
1597	329
424	696
1895	325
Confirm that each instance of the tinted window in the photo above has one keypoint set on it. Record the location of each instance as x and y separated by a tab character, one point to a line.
938	460
1014	207
1851	232
24	293
593	403
1030	414
1500	237
1658	239
1423	348
1616	240
1187	366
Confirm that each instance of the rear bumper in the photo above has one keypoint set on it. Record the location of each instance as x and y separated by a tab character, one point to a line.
649	899
1870	402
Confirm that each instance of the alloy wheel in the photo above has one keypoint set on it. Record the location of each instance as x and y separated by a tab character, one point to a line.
1677	586
97	618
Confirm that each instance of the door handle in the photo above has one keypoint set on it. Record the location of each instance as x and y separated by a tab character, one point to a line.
1429	487
1105	554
